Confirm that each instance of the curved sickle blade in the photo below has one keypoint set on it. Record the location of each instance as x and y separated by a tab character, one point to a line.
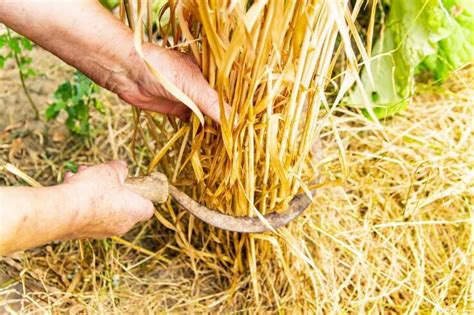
241	224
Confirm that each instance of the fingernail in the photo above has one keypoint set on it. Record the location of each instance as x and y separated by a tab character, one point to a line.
67	175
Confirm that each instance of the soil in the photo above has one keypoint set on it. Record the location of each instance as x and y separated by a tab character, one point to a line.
41	148
14	105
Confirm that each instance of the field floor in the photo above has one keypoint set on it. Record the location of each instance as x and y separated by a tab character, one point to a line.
392	228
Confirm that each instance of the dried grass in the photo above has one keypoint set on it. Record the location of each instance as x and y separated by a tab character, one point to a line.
272	62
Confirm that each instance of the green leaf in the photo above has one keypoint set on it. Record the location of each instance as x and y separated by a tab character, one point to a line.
27	72
71	124
71	111
27	44
82	111
99	106
109	4
50	113
63	92
75	97
54	109
71	167
83	85
413	30
457	49
31	72
25	60
14	45
3	40
2	61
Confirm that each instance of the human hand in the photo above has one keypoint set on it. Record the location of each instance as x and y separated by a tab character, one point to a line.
181	70
107	207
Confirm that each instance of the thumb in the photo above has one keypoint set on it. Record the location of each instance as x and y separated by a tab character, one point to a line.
142	208
146	209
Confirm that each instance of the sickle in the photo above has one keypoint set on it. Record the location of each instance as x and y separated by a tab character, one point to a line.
156	188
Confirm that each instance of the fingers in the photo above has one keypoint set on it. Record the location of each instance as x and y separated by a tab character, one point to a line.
207	100
183	71
107	206
173	108
199	90
133	209
141	208
191	81
120	167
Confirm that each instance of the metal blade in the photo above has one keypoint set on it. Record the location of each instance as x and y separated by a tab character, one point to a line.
242	224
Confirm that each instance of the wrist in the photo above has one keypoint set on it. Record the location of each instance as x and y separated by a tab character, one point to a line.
124	77
72	209
136	80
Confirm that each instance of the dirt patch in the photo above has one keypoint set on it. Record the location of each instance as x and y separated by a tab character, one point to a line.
14	105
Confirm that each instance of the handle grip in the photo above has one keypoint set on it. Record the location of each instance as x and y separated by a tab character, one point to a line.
153	187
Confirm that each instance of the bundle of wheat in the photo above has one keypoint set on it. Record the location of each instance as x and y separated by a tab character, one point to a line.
273	62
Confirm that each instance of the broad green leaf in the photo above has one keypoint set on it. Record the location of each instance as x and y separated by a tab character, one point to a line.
72	125
75	97
82	111
25	60
413	31
63	92
457	49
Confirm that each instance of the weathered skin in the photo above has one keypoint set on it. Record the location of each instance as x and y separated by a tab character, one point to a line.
156	188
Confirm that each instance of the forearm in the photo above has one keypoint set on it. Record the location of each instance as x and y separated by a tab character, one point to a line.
82	33
94	203
31	217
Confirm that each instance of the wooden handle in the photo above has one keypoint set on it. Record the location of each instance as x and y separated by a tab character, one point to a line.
153	186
